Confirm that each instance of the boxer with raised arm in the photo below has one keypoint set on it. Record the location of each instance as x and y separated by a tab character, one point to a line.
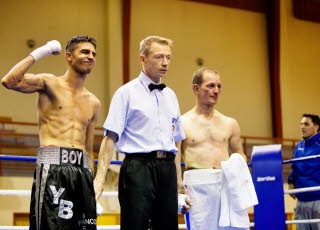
62	193
210	136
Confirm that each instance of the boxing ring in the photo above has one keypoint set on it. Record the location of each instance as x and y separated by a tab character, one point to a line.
267	177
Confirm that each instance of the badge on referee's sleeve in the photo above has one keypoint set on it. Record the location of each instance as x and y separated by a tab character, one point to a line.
174	124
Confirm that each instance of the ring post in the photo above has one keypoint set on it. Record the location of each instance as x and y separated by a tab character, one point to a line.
268	181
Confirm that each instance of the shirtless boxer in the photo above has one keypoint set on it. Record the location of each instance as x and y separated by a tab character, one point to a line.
209	137
62	193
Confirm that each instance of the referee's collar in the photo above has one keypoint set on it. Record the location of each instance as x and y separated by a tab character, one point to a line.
146	81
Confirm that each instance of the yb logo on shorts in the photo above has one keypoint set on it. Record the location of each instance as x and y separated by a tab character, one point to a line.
65	206
71	156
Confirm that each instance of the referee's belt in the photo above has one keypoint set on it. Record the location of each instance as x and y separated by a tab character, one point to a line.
153	154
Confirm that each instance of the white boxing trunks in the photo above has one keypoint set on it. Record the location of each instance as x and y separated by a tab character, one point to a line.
204	186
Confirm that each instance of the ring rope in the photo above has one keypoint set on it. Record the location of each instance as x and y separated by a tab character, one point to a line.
295	159
308	221
301	190
301	159
115	194
17	158
34	159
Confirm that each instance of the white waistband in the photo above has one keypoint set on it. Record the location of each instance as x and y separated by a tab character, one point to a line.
202	176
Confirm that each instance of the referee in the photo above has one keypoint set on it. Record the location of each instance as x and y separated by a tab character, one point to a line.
144	124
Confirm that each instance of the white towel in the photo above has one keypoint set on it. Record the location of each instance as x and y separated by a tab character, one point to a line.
238	192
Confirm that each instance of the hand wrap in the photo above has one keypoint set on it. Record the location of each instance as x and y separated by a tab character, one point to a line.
181	201
49	48
99	209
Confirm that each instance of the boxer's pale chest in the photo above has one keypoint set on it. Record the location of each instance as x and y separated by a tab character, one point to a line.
207	131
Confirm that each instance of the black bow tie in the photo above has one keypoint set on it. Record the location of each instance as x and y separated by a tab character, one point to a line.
153	86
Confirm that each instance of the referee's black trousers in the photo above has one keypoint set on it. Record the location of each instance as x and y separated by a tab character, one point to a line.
148	191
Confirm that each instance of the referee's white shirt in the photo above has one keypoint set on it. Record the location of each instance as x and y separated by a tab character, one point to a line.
144	121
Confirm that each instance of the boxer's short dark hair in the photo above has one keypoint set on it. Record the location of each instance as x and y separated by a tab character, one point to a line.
73	42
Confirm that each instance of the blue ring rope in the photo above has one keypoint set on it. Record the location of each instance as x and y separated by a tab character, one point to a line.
34	159
307	158
17	158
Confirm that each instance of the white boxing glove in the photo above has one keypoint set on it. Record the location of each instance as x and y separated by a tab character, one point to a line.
51	47
181	201
99	209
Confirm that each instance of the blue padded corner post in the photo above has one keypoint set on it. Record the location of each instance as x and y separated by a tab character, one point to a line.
267	178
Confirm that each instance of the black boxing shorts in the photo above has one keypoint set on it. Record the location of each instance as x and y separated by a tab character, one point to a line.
62	193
